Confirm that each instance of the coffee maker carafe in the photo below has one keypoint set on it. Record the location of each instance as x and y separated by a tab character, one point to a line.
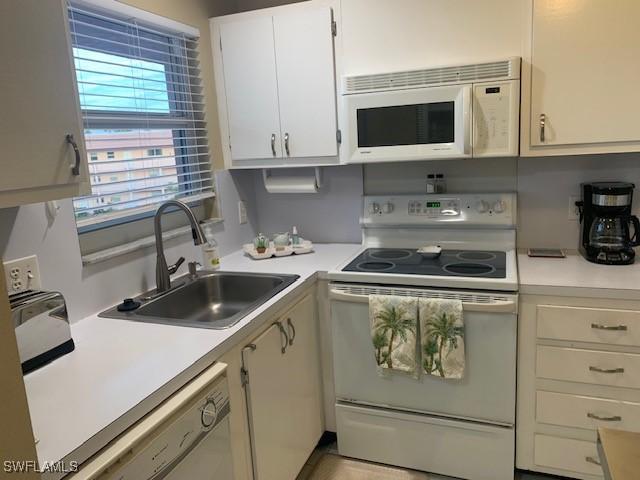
605	212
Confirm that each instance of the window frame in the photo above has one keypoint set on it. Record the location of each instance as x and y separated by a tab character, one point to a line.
178	100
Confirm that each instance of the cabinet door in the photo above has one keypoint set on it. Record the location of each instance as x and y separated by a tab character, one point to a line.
585	72
304	403
39	104
283	394
251	88
306	82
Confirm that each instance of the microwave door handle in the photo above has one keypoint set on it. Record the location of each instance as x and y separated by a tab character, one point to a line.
497	306
467	113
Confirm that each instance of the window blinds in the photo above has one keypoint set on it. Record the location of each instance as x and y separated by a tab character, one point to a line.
143	109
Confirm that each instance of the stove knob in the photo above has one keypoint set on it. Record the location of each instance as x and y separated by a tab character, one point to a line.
374	208
499	206
482	206
387	207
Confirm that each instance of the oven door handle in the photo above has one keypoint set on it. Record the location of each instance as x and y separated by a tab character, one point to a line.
497	306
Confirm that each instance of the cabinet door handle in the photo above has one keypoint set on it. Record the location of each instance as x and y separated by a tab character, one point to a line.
598	326
286	144
592	460
273	144
292	331
606	370
614	418
285	338
543	121
75	168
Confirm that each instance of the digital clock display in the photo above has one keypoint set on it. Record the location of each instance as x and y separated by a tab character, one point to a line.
433	204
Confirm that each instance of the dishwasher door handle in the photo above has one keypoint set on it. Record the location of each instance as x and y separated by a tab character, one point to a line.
495	306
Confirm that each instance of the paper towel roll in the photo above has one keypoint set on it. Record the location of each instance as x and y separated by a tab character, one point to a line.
289	184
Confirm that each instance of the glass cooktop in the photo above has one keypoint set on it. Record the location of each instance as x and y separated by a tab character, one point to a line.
456	263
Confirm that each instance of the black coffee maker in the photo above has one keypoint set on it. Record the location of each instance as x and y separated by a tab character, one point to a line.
605	213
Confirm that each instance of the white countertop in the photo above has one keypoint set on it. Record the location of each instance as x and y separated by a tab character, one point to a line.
120	370
575	276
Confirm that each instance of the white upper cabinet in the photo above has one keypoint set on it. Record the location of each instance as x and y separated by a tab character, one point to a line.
39	105
306	83
582	92
251	88
276	86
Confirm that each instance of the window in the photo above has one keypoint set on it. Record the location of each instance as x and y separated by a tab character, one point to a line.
143	110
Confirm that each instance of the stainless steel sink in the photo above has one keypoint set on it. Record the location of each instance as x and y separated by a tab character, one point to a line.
208	299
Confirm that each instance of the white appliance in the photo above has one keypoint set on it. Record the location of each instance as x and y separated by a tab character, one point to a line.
460	428
446	112
185	437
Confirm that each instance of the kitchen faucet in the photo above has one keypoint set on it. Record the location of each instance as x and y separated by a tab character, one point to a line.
164	272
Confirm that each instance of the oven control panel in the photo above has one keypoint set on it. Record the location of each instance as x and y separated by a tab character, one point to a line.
497	209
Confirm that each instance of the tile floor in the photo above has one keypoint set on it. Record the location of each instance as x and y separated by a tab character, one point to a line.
307	472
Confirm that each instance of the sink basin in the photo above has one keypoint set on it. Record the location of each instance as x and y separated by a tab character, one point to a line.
214	300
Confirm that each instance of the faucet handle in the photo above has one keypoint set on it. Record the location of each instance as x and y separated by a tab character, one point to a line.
193	268
174	268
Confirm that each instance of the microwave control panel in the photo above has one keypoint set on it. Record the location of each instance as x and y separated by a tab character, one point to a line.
496	110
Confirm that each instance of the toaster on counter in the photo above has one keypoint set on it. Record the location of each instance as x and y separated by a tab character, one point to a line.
42	327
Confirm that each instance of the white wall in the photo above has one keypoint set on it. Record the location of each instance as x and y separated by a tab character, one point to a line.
26	231
544	187
468	175
332	215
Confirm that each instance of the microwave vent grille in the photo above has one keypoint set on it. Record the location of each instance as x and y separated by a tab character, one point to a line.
502	70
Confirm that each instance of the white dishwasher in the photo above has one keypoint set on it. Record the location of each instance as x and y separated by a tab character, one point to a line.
186	437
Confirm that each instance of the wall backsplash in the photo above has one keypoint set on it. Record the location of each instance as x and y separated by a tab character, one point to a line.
26	231
544	187
331	215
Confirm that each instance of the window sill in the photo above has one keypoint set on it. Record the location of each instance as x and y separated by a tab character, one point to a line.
141	244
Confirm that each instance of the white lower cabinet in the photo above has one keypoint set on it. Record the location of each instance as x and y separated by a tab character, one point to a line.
284	393
578	370
567	454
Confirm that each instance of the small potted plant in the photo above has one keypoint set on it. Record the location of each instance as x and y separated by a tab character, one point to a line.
261	242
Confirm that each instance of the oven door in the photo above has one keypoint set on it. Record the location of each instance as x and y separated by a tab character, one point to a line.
486	393
415	124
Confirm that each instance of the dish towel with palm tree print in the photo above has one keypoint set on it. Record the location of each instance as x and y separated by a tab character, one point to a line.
442	337
393	321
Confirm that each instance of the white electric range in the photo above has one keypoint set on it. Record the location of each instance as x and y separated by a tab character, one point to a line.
460	428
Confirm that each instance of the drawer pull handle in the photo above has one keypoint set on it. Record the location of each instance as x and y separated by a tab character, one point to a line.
592	460
614	418
606	370
619	328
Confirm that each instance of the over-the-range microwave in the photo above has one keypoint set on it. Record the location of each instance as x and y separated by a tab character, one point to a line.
446	112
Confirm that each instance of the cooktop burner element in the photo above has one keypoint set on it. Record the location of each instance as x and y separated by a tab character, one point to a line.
458	263
390	254
468	269
477	256
375	266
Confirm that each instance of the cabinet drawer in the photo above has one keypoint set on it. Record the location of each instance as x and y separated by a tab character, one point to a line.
586	412
588	366
596	325
566	454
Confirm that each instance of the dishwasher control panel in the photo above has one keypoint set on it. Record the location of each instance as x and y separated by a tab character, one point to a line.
176	437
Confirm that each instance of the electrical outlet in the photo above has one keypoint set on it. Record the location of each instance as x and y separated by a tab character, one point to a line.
22	274
574	212
242	212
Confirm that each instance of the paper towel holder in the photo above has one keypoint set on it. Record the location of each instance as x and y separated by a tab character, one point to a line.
266	173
